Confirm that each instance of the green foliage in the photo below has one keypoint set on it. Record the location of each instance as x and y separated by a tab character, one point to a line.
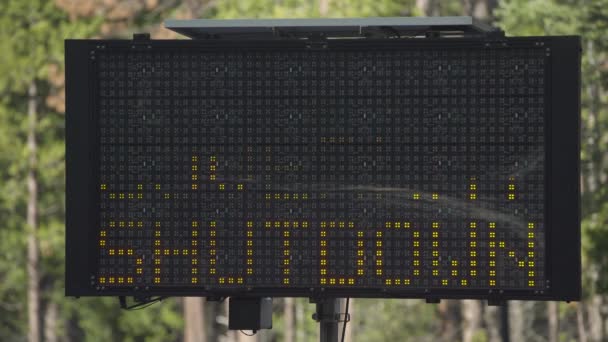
31	42
394	320
102	320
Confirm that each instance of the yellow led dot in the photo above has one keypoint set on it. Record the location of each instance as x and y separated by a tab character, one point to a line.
463	282
435	272
416	196
473	196
511	196
416	272
435	196
222	186
444	282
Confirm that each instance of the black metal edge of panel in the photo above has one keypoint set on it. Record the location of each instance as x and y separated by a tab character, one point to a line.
563	285
564	239
332	292
78	171
264	44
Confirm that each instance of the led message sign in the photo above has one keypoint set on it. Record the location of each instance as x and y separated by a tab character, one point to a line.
366	168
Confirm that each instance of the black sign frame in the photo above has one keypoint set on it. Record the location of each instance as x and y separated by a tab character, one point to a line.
562	170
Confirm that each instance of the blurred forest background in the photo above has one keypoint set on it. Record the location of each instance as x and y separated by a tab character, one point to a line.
32	181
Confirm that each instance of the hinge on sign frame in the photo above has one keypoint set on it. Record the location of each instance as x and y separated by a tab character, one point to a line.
316	41
141	37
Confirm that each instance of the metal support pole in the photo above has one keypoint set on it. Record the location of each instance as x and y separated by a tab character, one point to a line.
504	322
328	316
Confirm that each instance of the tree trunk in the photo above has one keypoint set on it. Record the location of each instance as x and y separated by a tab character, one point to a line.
516	320
288	311
580	323
448	314
215	325
492	323
50	322
350	327
480	9
596	329
553	318
33	284
323	8
429	7
471	319
194	320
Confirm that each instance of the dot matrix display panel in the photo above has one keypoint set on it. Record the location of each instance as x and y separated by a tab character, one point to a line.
385	168
359	168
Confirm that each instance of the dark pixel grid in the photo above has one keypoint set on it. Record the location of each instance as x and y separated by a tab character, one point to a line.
408	168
